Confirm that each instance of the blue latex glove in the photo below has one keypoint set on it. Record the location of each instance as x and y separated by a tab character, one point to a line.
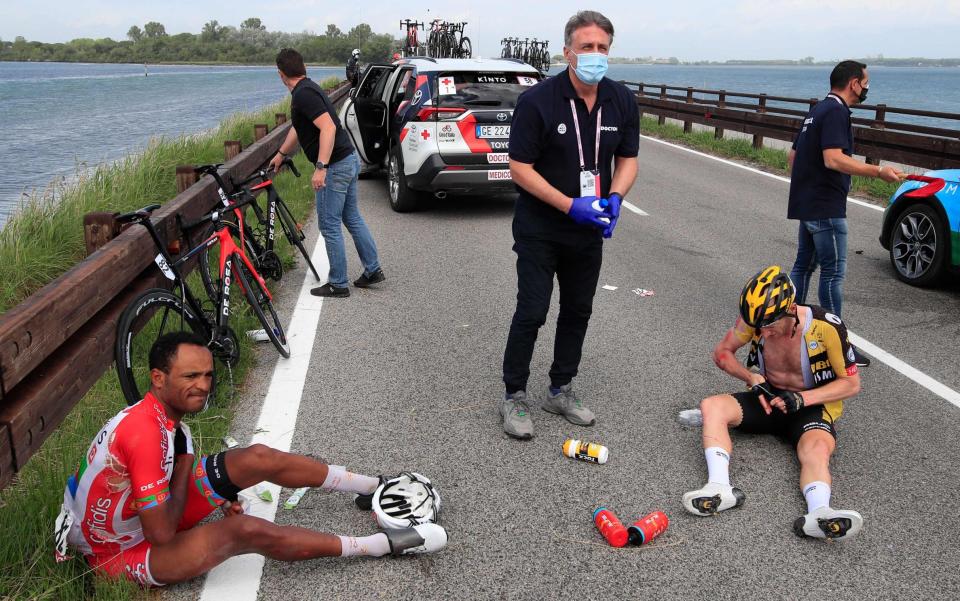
613	208
582	212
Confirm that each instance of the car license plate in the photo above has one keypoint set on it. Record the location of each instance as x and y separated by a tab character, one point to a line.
493	131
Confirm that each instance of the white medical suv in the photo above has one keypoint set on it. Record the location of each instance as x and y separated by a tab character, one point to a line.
438	126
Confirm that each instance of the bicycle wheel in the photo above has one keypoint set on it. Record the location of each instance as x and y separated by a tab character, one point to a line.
209	261
545	60
149	316
262	306
294	234
466	49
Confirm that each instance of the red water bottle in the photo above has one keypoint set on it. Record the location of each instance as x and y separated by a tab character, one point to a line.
610	527
648	528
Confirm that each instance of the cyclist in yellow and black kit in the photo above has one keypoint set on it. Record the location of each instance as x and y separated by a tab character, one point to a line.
805	368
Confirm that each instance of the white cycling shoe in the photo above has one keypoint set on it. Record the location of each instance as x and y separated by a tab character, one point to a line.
713	498
829	523
422	538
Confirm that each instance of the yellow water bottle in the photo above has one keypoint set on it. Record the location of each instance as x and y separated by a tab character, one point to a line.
585	451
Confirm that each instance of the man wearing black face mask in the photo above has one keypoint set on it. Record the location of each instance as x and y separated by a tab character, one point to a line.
821	164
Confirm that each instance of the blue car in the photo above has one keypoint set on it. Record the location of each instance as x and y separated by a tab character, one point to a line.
921	227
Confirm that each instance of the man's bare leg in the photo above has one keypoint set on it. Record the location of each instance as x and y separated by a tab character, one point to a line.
720	413
814	450
259	463
196	551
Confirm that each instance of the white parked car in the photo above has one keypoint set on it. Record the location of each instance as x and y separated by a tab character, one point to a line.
438	126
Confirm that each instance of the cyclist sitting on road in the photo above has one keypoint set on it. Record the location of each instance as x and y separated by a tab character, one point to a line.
806	369
140	491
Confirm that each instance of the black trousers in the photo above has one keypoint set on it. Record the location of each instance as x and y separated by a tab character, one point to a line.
575	261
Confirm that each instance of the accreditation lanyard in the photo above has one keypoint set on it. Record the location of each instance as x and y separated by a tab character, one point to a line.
589	180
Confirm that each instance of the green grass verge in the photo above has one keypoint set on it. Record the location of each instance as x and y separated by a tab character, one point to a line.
44	240
773	160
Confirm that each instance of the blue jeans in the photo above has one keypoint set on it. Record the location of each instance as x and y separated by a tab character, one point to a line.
336	204
822	242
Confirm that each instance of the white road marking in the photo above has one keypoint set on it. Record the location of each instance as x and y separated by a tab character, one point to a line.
937	388
636	210
942	390
238	579
855	201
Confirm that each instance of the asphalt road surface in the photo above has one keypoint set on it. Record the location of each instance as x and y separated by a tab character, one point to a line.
407	377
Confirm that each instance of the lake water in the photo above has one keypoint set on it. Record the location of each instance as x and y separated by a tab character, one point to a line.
56	117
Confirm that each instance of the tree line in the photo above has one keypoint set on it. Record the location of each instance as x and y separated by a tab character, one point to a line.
251	43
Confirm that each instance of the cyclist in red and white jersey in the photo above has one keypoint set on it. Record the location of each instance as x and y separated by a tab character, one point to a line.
133	506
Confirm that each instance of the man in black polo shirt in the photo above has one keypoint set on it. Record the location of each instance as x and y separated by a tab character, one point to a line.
821	166
317	129
573	145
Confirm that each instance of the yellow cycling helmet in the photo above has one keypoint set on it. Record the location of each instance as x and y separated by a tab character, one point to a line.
766	297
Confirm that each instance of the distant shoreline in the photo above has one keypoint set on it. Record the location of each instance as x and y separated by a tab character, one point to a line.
919	63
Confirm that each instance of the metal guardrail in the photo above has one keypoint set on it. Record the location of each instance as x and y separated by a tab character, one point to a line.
59	341
780	118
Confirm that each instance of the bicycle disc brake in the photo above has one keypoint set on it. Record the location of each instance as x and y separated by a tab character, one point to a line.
270	266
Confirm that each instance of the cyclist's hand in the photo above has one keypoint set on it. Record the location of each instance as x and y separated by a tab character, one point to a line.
319	179
275	162
758	384
232	508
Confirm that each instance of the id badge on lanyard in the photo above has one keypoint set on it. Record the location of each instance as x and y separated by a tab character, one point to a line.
589	179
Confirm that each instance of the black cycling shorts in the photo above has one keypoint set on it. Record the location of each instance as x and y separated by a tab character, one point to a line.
786	425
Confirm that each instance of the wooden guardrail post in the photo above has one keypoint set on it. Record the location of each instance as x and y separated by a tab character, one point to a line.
186	177
761	108
878	123
688	125
99	228
259	131
280	118
663	96
721	103
231	148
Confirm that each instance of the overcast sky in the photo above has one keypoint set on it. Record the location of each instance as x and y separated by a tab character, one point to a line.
687	29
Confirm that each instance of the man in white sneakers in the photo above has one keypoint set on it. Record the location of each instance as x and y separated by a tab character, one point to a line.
133	506
806	369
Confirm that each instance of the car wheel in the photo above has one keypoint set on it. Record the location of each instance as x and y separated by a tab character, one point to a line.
918	245
402	198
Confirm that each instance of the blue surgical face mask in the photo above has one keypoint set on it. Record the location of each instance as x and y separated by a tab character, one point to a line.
591	67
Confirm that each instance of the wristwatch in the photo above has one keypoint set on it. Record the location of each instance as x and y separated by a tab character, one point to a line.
321	165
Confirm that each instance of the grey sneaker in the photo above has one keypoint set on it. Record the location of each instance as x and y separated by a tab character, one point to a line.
515	412
567	404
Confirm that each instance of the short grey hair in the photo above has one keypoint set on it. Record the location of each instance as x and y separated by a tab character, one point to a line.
583	19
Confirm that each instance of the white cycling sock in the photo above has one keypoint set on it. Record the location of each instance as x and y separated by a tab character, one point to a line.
718	465
338	478
817	495
375	545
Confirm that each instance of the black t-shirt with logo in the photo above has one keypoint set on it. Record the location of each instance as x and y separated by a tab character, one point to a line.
542	134
307	103
817	192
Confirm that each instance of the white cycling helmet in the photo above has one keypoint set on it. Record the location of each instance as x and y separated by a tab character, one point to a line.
405	501
356	52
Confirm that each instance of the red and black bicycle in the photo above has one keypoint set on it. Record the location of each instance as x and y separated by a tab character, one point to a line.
158	311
